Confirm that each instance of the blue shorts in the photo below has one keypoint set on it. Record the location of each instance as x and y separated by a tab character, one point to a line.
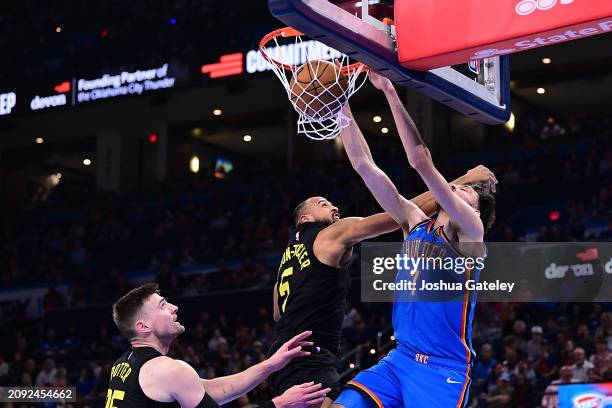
399	381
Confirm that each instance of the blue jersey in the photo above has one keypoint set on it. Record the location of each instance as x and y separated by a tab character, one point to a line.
441	330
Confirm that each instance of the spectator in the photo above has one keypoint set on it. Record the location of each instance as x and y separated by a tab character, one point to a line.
30	367
484	365
26	380
568	355
593	375
50	345
523	368
86	384
602	356
501	395
216	340
584	340
61	378
522	397
350	316
580	366
496	372
534	346
46	378
551	394
166	279
519	328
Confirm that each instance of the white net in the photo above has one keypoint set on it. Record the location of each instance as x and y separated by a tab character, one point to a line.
317	89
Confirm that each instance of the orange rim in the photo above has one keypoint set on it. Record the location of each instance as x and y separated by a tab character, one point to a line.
287	32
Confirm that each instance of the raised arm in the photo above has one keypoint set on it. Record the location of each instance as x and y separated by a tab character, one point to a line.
404	212
461	213
477	175
177	380
348	231
228	388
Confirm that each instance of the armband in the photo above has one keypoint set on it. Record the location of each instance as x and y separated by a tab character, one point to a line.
208	402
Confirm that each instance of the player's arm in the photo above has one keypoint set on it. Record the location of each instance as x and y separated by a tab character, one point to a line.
404	212
463	216
228	388
351	230
477	175
179	380
185	386
276	314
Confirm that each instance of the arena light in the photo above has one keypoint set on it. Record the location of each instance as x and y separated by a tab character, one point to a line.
247	138
58	29
40	140
392	338
511	122
87	162
194	164
372	351
54	179
352	365
541	91
384	130
217	112
546	60
377	119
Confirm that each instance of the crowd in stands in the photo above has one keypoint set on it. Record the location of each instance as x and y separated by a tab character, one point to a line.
247	217
524	351
522	364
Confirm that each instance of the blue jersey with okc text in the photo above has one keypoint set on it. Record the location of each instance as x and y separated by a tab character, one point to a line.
424	324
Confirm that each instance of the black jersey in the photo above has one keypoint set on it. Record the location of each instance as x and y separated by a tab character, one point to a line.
124	388
311	295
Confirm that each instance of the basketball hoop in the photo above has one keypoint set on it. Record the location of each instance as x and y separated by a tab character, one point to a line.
320	112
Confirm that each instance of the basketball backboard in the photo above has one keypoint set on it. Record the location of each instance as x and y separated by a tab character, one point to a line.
364	30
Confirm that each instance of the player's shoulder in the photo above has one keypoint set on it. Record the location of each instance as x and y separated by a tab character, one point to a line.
166	368
336	229
165	379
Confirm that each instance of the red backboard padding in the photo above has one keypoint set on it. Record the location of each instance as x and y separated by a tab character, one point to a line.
437	33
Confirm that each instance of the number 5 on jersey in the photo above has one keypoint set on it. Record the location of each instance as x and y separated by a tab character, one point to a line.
283	288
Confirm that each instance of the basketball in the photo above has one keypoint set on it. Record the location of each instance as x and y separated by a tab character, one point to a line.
318	89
